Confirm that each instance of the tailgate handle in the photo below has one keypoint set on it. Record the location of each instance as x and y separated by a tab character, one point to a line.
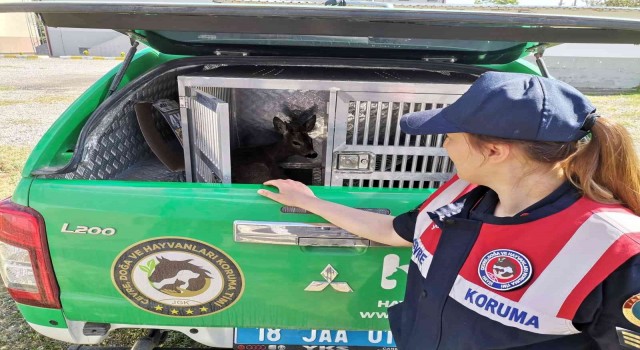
296	233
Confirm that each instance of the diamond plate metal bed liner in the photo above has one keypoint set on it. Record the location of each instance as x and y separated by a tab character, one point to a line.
115	147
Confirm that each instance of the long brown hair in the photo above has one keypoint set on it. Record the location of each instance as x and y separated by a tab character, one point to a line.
603	165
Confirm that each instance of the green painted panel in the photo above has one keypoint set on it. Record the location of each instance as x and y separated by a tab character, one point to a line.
518	66
275	276
21	193
43	316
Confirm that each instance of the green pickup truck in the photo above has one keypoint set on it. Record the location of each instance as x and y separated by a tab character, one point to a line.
128	214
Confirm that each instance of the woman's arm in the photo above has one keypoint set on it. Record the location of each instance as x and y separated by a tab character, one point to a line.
373	226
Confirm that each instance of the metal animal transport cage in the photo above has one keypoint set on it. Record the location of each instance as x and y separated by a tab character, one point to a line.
357	135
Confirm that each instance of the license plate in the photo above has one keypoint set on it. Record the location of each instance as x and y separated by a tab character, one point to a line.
290	339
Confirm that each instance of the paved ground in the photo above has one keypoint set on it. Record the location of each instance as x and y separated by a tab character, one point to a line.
33	93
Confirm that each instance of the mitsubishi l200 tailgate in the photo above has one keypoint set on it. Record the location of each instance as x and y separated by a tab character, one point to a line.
124	252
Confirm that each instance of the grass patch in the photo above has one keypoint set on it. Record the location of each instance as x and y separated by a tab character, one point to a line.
54	99
40	99
16	333
24	122
7	88
12	160
9	102
126	337
624	108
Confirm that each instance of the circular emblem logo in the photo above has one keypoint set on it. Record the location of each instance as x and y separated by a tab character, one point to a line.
631	309
504	269
178	277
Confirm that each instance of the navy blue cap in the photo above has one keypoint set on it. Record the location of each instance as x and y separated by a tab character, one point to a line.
511	106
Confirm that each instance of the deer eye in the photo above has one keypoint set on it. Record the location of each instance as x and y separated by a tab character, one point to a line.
297	143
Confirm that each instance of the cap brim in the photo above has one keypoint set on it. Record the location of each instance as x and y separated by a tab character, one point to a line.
432	121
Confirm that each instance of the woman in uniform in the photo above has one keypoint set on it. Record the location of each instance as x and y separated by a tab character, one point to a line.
533	244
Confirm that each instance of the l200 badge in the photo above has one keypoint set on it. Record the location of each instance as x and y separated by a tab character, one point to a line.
177	277
329	274
95	230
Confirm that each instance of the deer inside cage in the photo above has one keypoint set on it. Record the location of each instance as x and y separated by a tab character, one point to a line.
321	126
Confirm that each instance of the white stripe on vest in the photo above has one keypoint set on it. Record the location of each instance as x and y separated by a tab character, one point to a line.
447	196
550	290
508	312
420	256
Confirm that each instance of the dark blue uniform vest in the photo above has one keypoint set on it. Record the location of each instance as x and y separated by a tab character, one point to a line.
430	319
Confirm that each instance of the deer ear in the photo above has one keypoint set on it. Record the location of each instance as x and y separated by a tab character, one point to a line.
286	110
310	124
280	126
313	109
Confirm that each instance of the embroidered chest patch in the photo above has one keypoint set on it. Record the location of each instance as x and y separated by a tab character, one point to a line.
504	269
631	310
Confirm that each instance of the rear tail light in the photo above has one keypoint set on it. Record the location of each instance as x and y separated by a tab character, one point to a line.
25	265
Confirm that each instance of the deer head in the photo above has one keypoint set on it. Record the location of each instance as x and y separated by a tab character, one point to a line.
295	136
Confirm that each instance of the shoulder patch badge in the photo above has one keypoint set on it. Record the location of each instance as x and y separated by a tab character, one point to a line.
631	309
504	269
628	339
178	277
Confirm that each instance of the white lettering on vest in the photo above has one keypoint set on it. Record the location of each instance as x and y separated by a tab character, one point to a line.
421	257
498	308
418	253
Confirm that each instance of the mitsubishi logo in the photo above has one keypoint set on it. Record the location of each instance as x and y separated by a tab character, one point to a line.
329	274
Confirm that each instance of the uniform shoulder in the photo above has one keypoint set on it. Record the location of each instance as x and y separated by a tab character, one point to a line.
449	192
620	223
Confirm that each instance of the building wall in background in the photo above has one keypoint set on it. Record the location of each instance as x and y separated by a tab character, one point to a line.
591	67
591	74
14	33
72	41
99	42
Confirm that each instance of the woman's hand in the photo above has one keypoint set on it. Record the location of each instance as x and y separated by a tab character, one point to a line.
373	226
292	193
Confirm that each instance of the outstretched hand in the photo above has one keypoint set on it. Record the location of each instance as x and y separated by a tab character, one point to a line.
373	226
292	193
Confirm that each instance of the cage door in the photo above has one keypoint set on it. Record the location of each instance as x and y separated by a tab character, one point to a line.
207	151
370	150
